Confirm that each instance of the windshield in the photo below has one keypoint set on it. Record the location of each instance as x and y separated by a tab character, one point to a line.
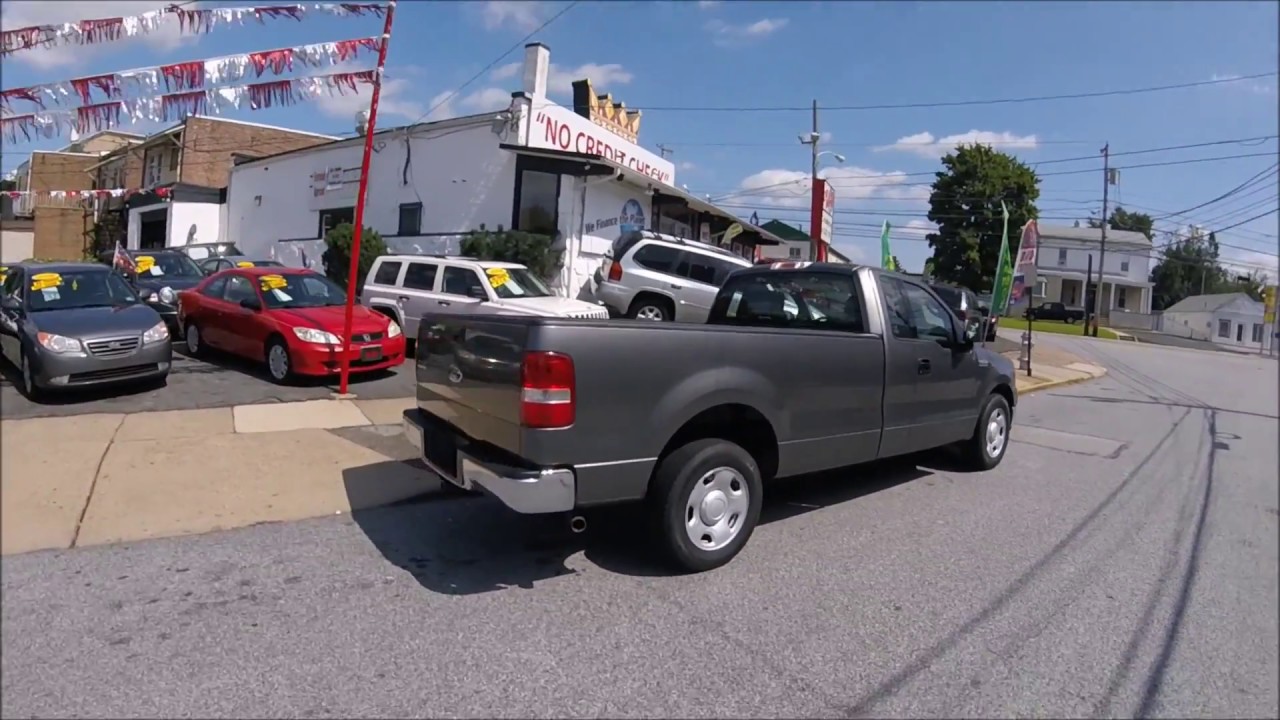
513	283
77	289
203	252
157	265
299	290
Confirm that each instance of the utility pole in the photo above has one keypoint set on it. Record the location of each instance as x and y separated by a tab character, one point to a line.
816	137
1102	250
664	151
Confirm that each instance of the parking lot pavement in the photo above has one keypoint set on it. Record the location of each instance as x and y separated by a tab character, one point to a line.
218	382
1120	562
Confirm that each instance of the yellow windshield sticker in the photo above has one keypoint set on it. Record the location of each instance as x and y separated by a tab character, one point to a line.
244	263
498	276
272	282
144	263
44	281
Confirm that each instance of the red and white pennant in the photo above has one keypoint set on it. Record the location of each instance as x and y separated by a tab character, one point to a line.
191	75
83	194
191	21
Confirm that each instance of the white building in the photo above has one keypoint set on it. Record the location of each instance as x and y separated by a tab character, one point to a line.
576	174
1233	319
1064	258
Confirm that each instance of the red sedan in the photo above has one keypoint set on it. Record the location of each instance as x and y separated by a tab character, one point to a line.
289	318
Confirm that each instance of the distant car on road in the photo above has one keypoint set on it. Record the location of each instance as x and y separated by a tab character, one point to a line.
72	325
288	318
1054	311
226	262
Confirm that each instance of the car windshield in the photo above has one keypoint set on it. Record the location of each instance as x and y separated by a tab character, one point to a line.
71	289
202	252
169	264
299	290
513	283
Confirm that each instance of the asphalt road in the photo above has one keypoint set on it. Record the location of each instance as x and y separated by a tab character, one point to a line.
1122	561
221	381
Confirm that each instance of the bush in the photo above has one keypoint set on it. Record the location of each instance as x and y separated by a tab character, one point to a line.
535	252
337	254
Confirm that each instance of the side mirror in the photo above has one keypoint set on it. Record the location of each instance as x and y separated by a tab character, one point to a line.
478	293
251	304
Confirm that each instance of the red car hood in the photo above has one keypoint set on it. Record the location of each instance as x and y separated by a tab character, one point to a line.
330	319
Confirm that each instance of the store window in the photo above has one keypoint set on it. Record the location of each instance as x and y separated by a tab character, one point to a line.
537	201
1224	328
333	217
410	219
1257	332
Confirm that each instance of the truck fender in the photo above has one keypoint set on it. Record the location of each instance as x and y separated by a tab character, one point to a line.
712	388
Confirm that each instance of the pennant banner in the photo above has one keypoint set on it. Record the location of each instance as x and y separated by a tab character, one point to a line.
82	194
191	21
176	106
191	75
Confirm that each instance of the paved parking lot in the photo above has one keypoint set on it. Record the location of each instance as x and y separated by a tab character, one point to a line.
218	382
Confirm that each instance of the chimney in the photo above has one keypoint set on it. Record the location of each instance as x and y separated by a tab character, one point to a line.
537	63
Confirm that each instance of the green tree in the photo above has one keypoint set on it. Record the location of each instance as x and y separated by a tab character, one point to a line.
337	254
532	250
965	204
1188	266
1122	219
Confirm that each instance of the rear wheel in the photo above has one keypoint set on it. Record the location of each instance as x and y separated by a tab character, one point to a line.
990	438
705	502
279	365
651	308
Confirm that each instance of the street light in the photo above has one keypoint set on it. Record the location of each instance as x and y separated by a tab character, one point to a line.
839	158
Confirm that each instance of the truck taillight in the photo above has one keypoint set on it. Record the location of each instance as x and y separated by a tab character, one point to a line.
546	390
615	271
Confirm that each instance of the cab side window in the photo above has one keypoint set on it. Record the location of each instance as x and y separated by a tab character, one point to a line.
930	319
215	289
896	306
462	281
239	288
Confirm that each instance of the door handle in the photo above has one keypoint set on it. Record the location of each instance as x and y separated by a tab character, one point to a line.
443	302
676	287
924	367
402	299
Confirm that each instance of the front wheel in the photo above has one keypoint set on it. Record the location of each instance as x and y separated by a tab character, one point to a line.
194	340
990	438
279	364
30	387
705	502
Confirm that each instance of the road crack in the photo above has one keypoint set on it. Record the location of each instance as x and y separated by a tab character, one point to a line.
93	484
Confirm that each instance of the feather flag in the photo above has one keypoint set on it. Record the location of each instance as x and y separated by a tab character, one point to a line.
886	257
1004	270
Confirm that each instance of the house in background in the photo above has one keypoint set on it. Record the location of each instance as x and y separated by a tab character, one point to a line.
1233	319
796	245
1064	260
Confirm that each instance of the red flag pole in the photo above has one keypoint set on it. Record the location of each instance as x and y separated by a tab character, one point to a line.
364	187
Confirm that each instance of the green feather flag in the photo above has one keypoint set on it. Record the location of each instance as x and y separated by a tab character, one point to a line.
886	257
1004	270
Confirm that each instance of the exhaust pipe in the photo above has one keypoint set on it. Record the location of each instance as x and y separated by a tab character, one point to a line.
578	524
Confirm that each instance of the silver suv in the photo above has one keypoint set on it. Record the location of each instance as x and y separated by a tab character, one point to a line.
650	276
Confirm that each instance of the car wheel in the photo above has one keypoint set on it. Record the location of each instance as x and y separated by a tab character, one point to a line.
30	387
990	438
194	341
705	501
278	363
646	309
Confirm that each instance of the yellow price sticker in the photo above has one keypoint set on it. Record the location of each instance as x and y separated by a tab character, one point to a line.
498	276
144	263
272	282
44	281
244	263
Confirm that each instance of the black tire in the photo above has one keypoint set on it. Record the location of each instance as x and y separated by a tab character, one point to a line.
286	377
193	340
30	388
670	492
976	450
651	308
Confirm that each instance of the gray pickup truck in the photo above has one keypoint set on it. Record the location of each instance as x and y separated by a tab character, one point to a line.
801	367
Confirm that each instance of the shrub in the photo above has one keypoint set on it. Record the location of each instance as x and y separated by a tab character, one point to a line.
535	252
337	254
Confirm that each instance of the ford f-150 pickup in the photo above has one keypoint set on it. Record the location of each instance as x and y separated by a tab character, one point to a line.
801	367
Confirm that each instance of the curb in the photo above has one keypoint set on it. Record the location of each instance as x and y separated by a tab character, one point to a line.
1060	383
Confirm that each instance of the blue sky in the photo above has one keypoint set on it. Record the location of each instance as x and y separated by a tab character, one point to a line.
658	55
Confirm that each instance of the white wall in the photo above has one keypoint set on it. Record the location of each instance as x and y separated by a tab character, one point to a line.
589	228
458	173
194	222
16	245
1198	325
1077	260
783	251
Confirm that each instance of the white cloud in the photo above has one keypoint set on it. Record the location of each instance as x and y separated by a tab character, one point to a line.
791	188
726	34
1253	86
1249	261
914	228
522	15
25	13
560	79
687	166
707	4
397	102
926	145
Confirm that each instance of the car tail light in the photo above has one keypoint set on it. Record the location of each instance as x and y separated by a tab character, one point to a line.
615	271
546	391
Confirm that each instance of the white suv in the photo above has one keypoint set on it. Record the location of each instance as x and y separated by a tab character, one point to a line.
650	276
403	287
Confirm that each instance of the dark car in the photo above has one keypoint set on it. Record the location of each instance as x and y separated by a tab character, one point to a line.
68	325
968	309
204	251
801	367
226	262
1054	311
158	276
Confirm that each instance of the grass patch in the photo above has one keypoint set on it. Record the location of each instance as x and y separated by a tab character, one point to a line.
1057	327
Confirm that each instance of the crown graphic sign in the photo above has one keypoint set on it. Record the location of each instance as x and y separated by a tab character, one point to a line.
603	111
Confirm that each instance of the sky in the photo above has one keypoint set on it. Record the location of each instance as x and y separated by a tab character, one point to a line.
727	86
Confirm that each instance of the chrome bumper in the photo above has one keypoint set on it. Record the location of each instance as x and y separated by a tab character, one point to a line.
529	492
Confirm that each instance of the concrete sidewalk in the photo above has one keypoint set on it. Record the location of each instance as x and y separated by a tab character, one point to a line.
106	478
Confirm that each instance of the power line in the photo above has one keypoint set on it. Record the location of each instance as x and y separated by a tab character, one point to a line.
1226	194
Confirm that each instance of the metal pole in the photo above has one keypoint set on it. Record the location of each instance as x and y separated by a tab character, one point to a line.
353	277
1102	251
819	252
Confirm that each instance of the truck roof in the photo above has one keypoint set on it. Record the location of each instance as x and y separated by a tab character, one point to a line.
799	266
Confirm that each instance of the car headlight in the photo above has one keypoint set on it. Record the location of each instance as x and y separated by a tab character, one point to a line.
157	333
393	329
166	295
59	344
319	337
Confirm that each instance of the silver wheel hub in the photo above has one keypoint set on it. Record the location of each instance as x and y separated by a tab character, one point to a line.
278	361
649	312
997	433
193	339
716	509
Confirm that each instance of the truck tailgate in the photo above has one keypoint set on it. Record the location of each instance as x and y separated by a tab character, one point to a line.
469	374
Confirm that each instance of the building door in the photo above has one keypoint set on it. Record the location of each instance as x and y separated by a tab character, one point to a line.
1239	332
152	230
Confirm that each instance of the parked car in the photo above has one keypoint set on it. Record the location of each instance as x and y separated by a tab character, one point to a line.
1054	311
158	276
965	304
870	364
288	318
74	325
204	251
212	265
650	276
403	287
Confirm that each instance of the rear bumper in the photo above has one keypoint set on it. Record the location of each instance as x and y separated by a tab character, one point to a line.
616	298
529	491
